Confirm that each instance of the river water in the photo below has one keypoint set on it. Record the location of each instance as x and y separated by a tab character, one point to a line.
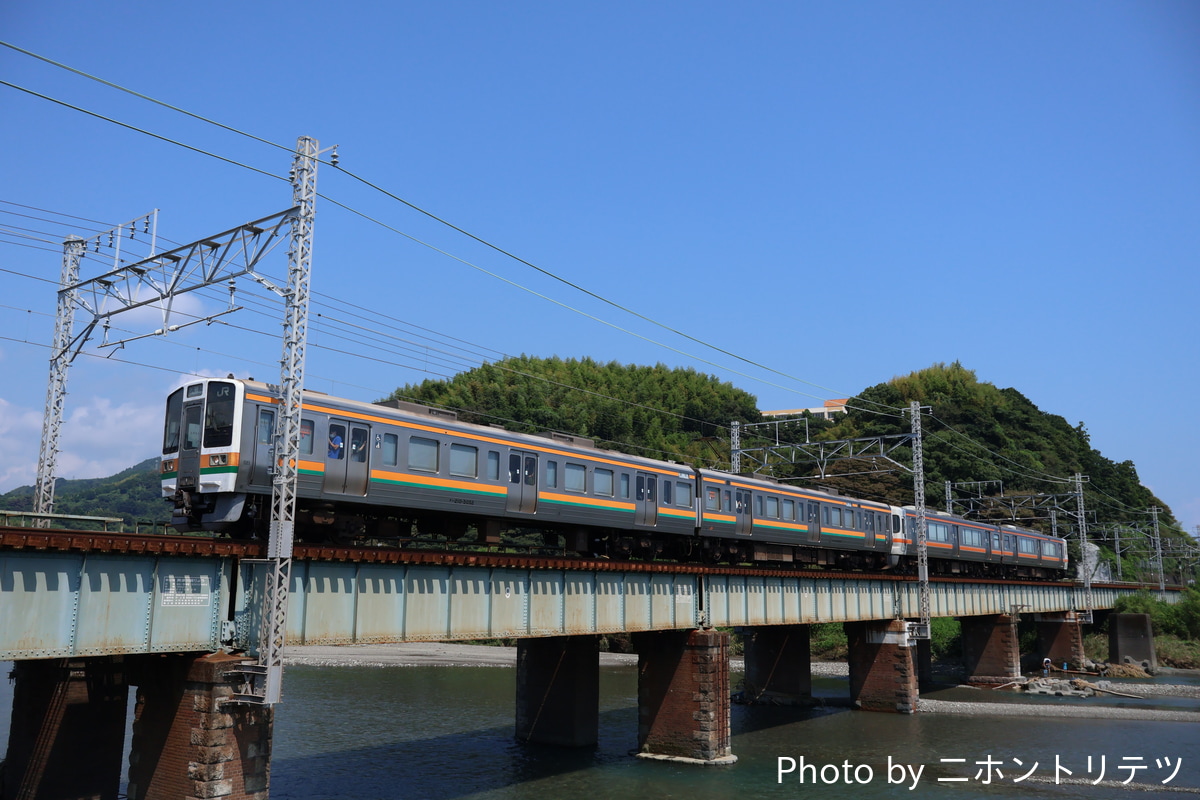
446	733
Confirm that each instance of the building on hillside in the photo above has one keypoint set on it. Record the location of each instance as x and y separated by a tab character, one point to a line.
826	411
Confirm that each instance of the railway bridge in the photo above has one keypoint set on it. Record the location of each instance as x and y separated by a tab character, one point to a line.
87	615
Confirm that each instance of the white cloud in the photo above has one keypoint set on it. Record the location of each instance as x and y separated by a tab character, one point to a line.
98	438
21	432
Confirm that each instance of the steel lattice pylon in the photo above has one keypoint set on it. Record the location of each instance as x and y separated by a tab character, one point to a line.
287	434
56	386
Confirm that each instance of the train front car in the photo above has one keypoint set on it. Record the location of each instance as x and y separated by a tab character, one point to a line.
200	460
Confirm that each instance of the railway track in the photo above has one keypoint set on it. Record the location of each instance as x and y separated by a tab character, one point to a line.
15	538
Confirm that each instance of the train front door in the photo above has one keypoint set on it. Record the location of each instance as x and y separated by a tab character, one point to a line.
645	499
347	466
522	482
189	450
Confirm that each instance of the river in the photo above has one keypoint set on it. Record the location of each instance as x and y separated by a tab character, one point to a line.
446	733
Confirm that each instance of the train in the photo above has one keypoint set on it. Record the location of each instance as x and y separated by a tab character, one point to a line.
391	471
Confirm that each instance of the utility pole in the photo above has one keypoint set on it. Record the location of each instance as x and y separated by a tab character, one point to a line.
56	386
922	631
157	281
287	435
1158	548
1086	615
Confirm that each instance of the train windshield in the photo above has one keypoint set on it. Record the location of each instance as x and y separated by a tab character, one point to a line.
218	414
174	415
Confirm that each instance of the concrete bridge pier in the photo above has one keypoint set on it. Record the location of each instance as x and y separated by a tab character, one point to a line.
683	696
67	732
991	648
558	690
1060	637
778	665
1131	636
883	666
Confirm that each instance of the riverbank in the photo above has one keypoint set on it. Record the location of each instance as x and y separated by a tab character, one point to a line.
446	654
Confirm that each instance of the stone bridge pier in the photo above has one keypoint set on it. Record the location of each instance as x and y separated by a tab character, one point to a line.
67	732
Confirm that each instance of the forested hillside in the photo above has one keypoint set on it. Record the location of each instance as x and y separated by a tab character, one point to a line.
133	494
658	412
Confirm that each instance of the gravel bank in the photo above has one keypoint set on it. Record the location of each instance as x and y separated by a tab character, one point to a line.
424	654
1089	711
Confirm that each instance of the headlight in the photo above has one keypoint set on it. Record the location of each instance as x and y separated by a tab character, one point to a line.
168	466
218	460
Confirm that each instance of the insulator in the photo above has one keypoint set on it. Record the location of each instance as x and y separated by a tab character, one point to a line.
333	157
110	239
146	224
97	244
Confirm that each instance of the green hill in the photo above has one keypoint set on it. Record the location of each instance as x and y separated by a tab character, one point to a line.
133	494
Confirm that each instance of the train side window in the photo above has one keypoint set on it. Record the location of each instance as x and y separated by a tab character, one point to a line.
266	426
391	444
895	523
514	468
683	494
825	516
727	499
552	474
758	505
464	460
939	532
869	524
625	485
712	498
575	478
493	465
358	445
602	482
773	507
789	510
666	493
306	437
423	454
337	440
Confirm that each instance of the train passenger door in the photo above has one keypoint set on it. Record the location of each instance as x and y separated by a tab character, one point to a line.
814	522
645	496
347	468
264	447
522	482
745	516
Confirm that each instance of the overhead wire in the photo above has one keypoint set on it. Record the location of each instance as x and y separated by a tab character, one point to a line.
548	273
430	215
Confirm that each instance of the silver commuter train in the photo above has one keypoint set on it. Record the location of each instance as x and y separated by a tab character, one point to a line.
374	471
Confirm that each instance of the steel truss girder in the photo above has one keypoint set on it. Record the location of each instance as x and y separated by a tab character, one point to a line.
824	453
159	279
1012	503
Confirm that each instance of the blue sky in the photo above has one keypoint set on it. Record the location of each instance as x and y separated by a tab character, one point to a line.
839	192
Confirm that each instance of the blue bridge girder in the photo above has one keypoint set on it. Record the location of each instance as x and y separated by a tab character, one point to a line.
67	604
